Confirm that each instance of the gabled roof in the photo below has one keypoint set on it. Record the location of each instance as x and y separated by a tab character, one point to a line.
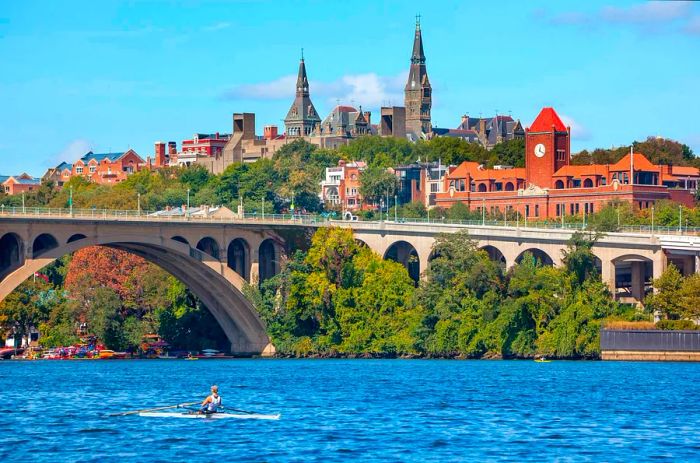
544	121
63	166
464	169
499	174
640	163
685	171
101	156
582	171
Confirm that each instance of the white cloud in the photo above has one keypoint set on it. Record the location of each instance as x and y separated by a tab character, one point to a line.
370	90
648	16
648	12
578	130
70	152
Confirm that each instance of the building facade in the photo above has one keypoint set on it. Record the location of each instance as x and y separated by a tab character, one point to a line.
487	131
102	168
418	98
550	187
18	184
341	187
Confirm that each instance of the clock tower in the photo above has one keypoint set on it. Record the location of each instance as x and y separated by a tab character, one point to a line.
547	148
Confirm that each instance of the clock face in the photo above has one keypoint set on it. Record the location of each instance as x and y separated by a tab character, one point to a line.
539	150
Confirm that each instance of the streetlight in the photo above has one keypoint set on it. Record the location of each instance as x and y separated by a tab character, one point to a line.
70	201
138	198
652	220
187	214
263	207
680	219
395	210
24	211
483	212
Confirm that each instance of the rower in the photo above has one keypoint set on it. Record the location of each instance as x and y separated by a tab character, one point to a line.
212	403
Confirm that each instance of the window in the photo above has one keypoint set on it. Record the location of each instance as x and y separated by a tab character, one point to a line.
559	184
603	181
434	188
482	187
79	170
509	186
498	186
93	169
527	210
537	210
561	155
588	183
576	183
461	185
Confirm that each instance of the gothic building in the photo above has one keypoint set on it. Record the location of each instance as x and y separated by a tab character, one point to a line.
418	93
302	117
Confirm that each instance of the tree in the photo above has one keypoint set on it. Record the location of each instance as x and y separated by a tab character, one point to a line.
509	153
376	184
381	152
667	299
26	307
690	297
579	258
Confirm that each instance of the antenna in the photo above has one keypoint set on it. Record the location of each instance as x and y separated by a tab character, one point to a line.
418	21
302	53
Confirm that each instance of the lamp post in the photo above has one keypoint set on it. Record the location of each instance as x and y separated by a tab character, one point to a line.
652	220
24	211
187	214
70	201
138	200
483	212
395	210
263	207
680	219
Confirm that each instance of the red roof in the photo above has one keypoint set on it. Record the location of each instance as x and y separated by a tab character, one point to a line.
640	163
345	109
547	118
582	171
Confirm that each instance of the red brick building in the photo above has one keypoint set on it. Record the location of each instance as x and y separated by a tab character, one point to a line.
549	186
341	187
18	184
108	168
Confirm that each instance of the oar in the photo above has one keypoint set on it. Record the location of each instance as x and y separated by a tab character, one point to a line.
134	412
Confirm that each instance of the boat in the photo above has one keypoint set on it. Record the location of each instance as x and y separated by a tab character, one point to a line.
542	361
212	416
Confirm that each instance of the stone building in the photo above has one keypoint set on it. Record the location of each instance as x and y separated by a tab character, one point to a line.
487	131
418	98
302	117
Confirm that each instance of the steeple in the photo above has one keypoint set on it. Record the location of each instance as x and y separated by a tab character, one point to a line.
418	57
302	117
418	92
302	80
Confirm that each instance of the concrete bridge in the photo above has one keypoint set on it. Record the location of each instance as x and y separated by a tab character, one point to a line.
215	257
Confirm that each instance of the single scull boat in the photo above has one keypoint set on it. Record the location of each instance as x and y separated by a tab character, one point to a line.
212	416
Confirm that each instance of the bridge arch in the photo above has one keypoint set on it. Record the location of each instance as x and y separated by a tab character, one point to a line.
269	257
405	253
494	254
210	246
238	257
76	237
180	239
540	256
215	284
42	243
633	276
11	255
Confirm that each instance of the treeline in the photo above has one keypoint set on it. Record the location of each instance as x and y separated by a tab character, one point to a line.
340	298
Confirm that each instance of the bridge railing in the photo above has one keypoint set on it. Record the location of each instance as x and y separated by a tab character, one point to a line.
311	219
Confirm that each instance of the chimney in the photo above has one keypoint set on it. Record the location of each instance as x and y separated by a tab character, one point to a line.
172	148
368	118
270	132
465	118
160	154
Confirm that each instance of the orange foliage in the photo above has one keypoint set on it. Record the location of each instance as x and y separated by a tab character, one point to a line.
625	325
106	267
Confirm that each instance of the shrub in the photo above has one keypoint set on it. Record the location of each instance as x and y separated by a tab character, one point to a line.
677	325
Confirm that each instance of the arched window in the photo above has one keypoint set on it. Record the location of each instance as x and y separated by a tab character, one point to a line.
588	183
559	185
509	186
482	187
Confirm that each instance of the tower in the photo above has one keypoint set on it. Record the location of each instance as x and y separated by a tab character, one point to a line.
302	117
418	93
547	148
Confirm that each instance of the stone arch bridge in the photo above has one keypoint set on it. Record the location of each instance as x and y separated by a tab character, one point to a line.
215	258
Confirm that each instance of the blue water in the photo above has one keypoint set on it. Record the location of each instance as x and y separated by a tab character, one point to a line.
353	410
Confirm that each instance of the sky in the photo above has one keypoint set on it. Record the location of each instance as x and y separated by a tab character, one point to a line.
113	75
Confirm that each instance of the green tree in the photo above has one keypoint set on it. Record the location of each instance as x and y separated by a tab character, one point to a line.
579	259
376	184
667	300
509	153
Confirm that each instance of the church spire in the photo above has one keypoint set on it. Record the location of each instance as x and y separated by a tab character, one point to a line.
302	80
418	57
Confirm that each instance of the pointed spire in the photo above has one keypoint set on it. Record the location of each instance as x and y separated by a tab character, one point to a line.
418	57
302	80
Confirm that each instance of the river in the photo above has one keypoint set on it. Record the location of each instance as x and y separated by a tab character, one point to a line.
353	410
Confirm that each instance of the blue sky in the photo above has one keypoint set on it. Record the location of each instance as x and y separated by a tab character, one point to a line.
114	75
